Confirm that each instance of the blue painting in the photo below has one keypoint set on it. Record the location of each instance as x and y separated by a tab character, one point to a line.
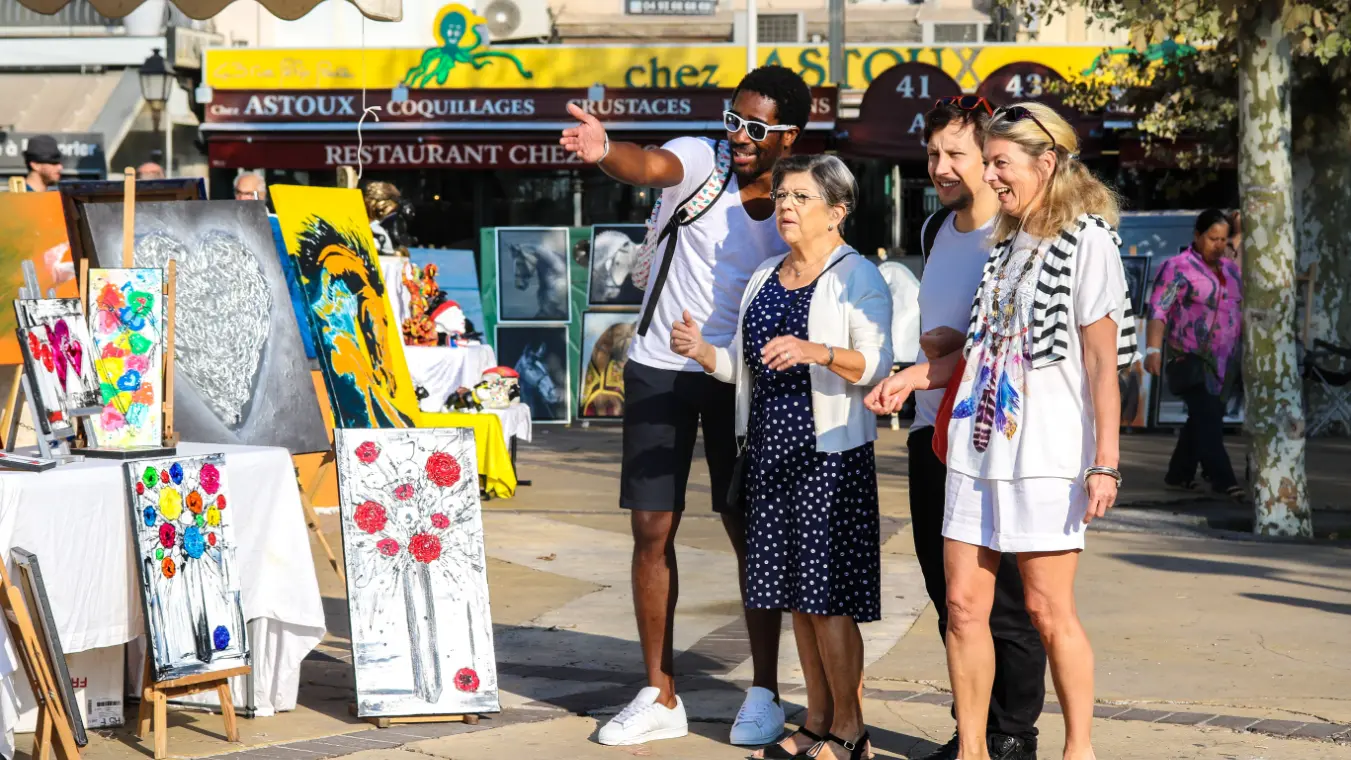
288	267
458	279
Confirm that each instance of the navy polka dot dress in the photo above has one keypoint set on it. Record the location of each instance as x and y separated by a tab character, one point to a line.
812	528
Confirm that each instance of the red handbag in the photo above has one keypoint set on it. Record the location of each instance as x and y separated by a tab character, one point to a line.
940	439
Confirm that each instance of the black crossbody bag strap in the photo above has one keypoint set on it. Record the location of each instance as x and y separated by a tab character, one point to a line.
671	233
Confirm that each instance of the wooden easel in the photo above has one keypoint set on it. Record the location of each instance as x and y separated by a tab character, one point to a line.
53	726
16	185
168	435
153	714
307	494
468	719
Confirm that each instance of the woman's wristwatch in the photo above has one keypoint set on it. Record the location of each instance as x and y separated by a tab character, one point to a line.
1111	472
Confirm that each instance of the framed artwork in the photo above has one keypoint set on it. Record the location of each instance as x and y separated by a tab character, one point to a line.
1169	410
288	268
126	322
358	339
534	279
240	375
183	544
35	595
539	354
32	228
614	253
457	277
1137	281
59	361
78	196
417	586
606	337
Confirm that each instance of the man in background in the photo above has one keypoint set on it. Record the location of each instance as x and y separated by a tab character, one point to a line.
44	163
250	187
150	170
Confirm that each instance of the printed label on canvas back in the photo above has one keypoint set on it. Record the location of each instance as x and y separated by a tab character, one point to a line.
181	519
126	320
417	586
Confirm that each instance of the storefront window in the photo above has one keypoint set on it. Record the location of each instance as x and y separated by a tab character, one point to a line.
605	201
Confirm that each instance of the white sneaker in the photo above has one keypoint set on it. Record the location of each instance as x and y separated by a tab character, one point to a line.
760	719
644	720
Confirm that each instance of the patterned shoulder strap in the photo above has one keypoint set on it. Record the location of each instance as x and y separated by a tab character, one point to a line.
693	207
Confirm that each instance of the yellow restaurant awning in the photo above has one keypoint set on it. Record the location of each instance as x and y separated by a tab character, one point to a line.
379	10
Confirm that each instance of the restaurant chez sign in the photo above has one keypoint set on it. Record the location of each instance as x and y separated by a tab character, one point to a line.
236	110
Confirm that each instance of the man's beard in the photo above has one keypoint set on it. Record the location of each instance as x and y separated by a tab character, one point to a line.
962	203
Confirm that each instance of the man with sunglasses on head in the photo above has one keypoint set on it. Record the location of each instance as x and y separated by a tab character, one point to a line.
956	244
667	396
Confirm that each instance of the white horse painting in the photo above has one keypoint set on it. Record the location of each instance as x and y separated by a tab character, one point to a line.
533	275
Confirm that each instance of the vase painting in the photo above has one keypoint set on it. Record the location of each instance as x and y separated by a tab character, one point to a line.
417	585
183	534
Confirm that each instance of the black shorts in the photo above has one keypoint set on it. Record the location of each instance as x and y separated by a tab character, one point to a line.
662	411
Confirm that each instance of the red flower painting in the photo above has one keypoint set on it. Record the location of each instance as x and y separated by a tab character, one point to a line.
440	521
371	517
368	452
443	470
425	548
388	547
466	679
404	492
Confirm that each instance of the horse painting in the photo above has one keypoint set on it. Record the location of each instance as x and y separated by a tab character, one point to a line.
614	253
539	354
533	276
539	391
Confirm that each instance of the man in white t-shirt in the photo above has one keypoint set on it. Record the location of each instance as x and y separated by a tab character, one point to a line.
956	246
667	396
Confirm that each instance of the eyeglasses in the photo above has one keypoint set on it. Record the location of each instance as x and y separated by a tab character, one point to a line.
756	130
1019	113
798	199
965	102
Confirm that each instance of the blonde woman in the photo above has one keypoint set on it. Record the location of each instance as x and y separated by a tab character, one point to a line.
1033	440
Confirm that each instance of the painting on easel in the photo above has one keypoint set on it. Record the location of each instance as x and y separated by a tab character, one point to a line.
32	228
184	546
417	585
126	318
58	357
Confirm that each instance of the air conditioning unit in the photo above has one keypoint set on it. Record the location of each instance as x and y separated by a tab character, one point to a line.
516	19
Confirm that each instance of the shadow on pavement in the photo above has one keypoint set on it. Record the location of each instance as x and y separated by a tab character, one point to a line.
1293	601
1199	566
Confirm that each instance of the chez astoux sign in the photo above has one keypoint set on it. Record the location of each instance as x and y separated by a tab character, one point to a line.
289	110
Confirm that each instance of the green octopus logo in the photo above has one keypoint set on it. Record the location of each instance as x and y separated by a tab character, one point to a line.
1167	52
457	28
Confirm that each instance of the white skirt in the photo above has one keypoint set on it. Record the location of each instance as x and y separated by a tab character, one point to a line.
1027	515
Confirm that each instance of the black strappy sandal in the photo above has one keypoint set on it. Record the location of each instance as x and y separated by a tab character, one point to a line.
777	752
857	748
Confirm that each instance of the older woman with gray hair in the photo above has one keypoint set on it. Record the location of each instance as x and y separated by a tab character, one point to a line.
812	337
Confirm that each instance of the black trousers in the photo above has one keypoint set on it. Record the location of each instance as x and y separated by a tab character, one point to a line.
1020	659
1201	441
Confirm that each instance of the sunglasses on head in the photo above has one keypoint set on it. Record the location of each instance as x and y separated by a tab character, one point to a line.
1019	113
965	102
756	130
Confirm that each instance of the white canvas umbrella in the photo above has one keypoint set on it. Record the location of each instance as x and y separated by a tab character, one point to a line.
379	10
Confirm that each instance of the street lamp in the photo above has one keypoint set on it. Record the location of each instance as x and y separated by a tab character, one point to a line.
155	80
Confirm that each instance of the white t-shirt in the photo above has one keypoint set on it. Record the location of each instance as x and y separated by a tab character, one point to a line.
951	278
904	287
1038	423
711	265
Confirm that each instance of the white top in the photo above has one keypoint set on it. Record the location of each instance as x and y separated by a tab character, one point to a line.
951	277
712	262
1011	421
850	308
904	286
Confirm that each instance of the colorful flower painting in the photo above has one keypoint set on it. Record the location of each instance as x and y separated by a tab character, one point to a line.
185	549
59	360
417	587
126	319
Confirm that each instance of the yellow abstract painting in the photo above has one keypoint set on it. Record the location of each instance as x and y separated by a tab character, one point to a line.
357	338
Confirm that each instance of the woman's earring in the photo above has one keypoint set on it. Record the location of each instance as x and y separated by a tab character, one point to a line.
830	227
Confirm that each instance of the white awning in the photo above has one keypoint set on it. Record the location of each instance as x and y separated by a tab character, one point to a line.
378	10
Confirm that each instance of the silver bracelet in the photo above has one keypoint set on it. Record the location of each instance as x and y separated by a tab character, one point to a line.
1111	472
830	355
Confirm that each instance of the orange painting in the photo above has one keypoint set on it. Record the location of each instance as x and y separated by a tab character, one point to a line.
32	228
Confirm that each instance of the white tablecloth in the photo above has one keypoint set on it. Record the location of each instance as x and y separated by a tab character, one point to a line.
442	370
515	421
76	519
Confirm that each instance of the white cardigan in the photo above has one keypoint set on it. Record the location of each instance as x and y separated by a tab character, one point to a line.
850	309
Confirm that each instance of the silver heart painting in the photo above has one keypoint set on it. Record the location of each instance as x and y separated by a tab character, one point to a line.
240	374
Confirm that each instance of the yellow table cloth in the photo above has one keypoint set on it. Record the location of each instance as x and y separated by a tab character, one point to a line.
494	459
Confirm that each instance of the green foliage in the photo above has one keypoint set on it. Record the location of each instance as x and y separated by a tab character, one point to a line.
1181	80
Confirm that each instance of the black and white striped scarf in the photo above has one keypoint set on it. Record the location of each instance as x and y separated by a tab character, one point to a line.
1054	298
